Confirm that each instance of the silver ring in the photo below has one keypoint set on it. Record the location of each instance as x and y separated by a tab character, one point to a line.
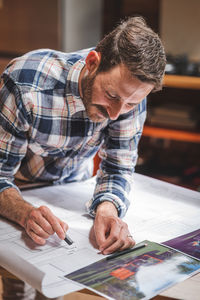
130	236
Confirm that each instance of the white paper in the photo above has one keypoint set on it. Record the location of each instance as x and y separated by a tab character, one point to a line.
159	211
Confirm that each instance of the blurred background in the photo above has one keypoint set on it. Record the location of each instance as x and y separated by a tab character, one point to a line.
170	145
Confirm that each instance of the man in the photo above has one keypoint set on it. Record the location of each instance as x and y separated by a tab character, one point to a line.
58	110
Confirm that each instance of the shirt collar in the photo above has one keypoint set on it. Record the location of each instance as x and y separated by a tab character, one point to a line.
73	96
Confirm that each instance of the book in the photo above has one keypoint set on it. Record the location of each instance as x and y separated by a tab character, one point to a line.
141	274
172	122
179	116
174	110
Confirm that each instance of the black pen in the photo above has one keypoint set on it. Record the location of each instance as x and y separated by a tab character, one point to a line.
125	251
68	240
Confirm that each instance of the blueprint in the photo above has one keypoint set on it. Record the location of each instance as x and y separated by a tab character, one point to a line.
159	211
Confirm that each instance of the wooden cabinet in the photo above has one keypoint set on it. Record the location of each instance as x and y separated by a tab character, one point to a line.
168	152
178	82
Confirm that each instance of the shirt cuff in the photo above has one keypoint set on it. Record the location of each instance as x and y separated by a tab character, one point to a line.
92	204
6	184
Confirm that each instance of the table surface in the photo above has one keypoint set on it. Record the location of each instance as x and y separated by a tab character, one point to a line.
188	289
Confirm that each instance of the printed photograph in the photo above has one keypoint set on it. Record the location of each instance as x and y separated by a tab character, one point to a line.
139	274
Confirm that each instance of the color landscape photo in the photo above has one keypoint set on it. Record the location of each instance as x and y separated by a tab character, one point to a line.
140	274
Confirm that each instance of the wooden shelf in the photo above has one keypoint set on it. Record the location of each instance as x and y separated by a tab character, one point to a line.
171	134
184	82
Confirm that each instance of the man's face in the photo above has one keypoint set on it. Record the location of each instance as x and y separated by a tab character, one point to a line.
109	94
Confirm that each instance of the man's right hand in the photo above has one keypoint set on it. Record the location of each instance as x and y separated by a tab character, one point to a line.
40	223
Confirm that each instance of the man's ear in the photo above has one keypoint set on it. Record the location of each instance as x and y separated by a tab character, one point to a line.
92	61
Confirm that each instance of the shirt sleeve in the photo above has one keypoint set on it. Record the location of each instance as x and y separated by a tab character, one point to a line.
13	128
119	155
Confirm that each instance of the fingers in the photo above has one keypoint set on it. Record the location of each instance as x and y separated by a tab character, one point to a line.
36	238
119	239
53	221
112	234
120	243
64	226
100	235
41	223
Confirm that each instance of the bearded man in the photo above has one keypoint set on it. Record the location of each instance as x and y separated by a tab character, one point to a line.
58	109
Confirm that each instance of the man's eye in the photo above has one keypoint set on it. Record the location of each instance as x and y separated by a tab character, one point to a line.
110	96
131	105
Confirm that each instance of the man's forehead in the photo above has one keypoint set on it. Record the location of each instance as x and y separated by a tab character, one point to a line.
120	70
120	80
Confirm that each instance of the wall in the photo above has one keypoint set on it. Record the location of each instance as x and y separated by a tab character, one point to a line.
27	25
180	25
81	23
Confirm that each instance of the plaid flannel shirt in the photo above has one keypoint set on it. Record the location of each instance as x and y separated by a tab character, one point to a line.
45	134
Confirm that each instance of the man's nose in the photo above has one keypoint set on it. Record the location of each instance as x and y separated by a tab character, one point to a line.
115	110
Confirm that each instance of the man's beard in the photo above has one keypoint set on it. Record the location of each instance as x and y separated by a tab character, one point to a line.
87	87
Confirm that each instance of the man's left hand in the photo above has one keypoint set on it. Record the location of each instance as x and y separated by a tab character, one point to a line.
111	232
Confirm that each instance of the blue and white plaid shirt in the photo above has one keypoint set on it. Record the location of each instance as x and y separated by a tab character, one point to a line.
45	134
